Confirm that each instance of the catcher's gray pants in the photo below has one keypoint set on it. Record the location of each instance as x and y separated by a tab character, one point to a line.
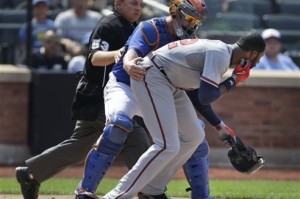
75	149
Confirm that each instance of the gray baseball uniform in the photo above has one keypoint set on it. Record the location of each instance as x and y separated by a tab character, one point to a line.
187	61
167	111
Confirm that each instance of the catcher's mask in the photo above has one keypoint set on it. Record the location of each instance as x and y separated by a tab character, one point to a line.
244	158
189	15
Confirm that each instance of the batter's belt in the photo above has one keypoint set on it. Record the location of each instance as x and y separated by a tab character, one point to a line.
152	58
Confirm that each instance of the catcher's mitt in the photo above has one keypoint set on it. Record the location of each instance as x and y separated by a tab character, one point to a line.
244	158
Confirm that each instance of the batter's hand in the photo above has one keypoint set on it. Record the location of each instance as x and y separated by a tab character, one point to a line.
242	71
134	71
226	134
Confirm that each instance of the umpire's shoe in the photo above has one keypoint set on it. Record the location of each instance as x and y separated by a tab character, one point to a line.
146	196
30	187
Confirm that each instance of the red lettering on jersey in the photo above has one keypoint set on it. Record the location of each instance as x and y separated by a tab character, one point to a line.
188	41
172	45
182	42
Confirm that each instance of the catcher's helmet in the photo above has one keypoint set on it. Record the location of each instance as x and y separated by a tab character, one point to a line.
244	158
188	15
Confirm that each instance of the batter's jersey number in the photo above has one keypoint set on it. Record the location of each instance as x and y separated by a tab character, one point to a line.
182	42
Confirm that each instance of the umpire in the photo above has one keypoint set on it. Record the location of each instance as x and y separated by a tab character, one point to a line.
105	45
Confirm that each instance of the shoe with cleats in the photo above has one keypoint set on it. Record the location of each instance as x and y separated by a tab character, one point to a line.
29	187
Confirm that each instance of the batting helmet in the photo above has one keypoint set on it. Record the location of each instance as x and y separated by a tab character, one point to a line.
188	15
244	158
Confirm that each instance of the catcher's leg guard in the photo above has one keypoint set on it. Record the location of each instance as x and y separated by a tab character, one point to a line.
196	172
101	156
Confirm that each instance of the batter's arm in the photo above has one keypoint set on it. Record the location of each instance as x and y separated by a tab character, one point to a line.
209	93
205	110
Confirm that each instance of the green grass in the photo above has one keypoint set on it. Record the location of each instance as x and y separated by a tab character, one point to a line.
220	189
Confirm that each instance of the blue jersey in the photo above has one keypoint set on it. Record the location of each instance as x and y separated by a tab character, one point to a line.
148	36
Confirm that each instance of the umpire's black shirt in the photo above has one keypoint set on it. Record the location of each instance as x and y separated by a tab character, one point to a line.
111	33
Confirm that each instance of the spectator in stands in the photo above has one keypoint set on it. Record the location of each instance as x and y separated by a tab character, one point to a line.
76	21
40	24
273	58
50	56
76	64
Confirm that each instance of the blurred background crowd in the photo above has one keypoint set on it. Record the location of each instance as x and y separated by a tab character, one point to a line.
57	37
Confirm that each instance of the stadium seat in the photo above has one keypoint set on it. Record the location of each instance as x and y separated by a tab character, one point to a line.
229	37
12	16
237	22
281	21
289	7
10	23
257	7
9	4
214	6
290	36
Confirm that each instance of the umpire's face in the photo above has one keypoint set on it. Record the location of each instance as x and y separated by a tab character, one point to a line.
130	9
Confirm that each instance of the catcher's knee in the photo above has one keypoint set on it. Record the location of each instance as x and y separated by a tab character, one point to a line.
202	150
115	134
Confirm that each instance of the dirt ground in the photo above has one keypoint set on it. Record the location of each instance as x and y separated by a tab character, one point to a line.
116	171
40	197
47	197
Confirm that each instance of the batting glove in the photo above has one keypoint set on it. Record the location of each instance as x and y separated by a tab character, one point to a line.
226	134
242	71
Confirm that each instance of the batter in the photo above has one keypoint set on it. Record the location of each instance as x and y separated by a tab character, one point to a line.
167	110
